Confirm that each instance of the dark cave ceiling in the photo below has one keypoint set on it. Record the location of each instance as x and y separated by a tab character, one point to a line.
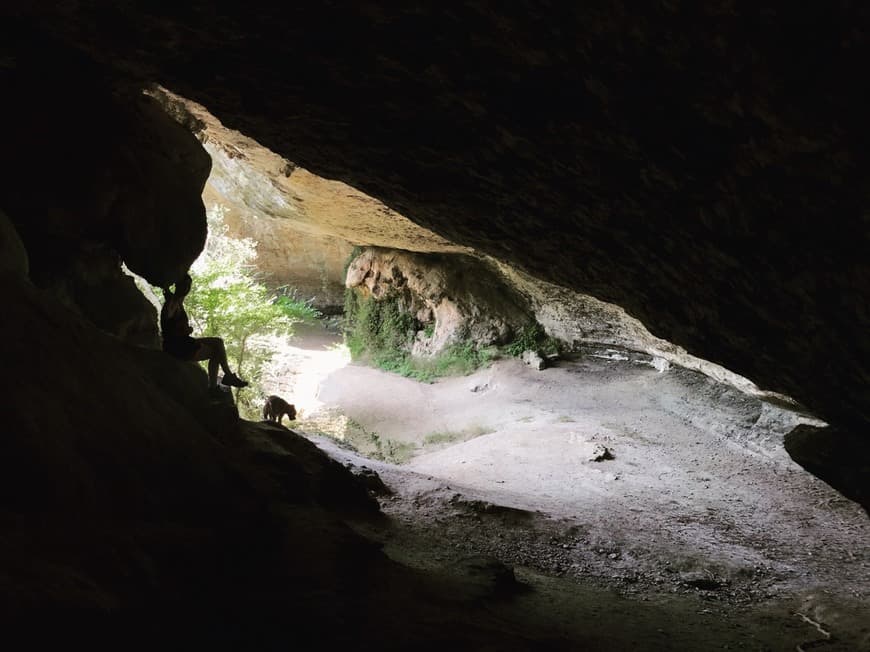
703	165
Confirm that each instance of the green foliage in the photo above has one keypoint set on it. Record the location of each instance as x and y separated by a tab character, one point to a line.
446	437
228	301
459	360
295	308
528	338
378	327
397	452
532	337
373	445
382	331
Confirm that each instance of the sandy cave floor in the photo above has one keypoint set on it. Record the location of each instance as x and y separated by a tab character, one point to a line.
701	531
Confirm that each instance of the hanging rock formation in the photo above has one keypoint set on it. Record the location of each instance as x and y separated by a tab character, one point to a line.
305	226
459	298
126	189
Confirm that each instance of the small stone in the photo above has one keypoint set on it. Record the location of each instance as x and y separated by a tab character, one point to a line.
700	580
534	360
600	453
660	364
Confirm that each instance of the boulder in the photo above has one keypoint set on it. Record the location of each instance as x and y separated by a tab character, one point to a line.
534	359
131	180
467	299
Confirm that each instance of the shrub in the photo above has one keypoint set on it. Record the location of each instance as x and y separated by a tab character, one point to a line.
227	300
382	331
295	308
532	337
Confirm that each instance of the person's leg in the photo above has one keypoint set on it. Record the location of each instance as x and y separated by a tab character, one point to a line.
213	350
213	364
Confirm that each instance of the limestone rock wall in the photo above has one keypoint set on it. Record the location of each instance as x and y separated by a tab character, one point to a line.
311	264
458	297
305	226
579	319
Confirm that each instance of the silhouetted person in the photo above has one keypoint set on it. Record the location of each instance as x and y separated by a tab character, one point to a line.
177	341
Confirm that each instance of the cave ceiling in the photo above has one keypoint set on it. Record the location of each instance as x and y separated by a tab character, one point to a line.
703	165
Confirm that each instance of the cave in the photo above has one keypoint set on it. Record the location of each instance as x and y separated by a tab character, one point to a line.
675	194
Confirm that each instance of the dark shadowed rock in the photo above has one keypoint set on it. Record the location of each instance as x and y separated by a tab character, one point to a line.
488	578
98	167
841	459
457	297
13	255
370	479
600	453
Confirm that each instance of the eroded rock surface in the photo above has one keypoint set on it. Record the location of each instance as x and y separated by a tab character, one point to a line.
305	226
454	298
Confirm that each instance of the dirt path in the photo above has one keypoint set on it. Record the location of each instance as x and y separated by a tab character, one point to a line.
700	507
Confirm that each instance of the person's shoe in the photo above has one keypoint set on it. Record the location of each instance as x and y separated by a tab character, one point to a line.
233	381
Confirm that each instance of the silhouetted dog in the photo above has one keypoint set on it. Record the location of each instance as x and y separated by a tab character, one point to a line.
275	409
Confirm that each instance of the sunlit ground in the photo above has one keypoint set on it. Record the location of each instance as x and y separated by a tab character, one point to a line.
298	368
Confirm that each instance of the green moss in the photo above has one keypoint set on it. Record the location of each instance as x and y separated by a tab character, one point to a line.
532	337
450	436
442	437
295	308
397	452
381	332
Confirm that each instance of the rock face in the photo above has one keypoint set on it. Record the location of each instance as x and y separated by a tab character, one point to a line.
120	150
579	320
76	391
455	298
305	226
13	255
129	191
311	264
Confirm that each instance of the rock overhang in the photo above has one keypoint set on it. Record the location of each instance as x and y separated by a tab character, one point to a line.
681	163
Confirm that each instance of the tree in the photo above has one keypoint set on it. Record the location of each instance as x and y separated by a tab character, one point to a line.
228	301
